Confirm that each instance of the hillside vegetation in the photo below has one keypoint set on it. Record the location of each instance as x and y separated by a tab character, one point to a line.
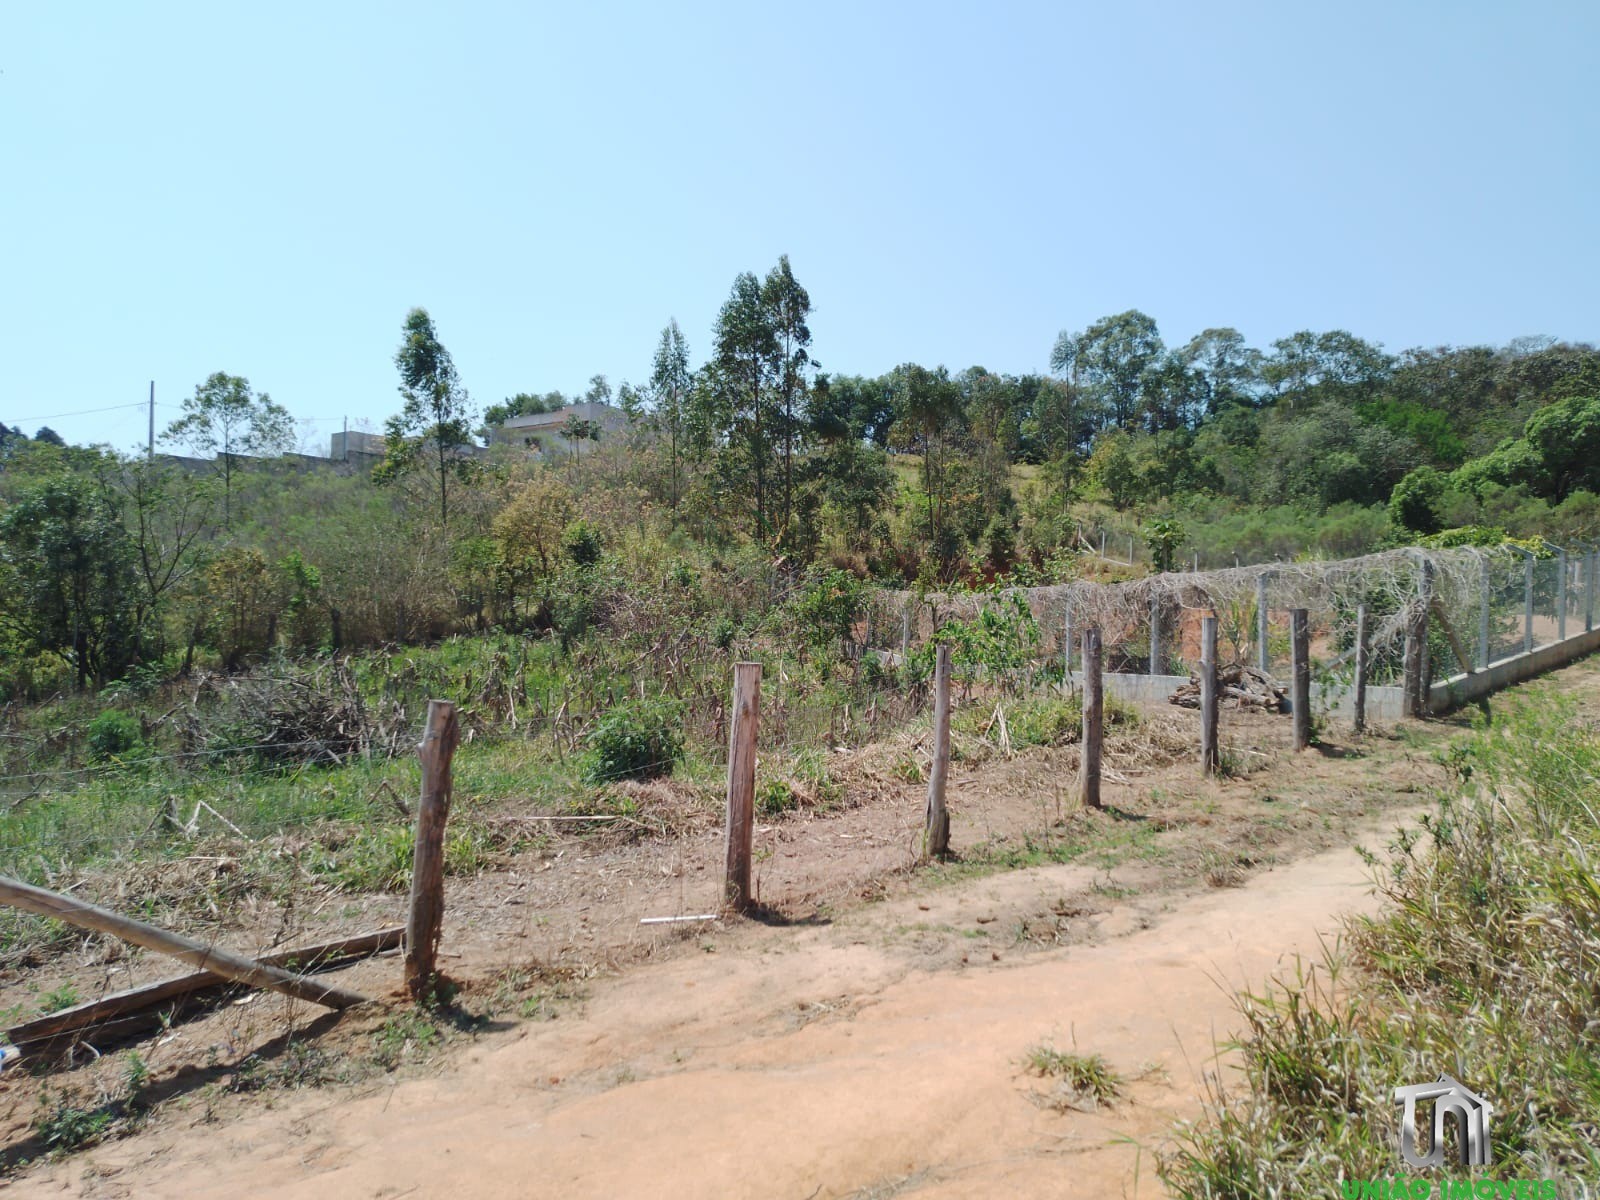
736	477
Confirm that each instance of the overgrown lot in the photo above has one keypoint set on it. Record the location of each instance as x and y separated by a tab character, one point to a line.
1485	964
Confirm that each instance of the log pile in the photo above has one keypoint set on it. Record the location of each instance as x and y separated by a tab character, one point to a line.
1240	686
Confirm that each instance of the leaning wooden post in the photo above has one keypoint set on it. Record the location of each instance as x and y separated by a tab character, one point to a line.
1300	650
1361	669
742	784
936	829
1093	717
436	750
1155	635
1210	757
1262	658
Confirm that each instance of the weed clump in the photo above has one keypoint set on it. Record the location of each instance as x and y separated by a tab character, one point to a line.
641	739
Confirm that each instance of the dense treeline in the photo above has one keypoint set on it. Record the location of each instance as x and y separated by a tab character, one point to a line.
757	461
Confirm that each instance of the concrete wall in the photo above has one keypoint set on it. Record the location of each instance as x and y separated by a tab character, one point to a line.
1463	689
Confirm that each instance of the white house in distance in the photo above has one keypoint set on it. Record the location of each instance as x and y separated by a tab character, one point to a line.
541	432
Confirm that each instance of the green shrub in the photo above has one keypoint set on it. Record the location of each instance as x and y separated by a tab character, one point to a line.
113	734
582	544
640	739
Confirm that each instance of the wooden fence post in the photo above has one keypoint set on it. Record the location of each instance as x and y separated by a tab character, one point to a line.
1093	718
742	783
1210	756
1411	678
1300	650
1262	657
936	828
437	748
1361	669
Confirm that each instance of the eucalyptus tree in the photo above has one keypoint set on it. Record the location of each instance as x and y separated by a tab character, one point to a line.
1108	362
788	305
746	360
929	403
435	424
670	385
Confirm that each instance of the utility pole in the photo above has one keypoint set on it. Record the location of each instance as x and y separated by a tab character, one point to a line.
150	446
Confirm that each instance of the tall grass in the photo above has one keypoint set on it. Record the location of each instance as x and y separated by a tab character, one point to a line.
1484	963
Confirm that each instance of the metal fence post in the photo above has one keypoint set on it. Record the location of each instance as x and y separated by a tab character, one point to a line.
1589	589
1261	621
1527	602
1155	635
1483	616
1066	647
1561	597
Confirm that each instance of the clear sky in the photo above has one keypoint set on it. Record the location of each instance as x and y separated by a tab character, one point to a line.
266	189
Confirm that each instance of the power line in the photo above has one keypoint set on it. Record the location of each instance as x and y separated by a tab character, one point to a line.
88	412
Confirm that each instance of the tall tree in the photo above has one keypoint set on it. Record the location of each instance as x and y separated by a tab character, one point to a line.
1306	367
1231	370
225	419
930	402
747	351
435	423
670	382
788	305
1109	361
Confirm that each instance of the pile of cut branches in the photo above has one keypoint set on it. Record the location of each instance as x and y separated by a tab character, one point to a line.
1239	686
290	717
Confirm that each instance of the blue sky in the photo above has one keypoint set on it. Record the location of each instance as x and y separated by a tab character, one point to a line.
266	189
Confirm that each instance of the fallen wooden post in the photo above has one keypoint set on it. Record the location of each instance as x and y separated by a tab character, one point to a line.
197	954
426	916
679	920
936	825
126	1011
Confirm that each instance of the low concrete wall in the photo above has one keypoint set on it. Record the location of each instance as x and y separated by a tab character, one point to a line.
1463	689
1384	704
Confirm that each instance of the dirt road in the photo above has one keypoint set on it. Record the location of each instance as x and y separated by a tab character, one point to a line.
803	1062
